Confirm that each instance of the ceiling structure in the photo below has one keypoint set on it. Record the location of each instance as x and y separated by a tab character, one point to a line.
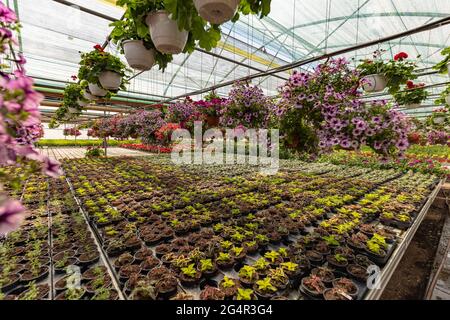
54	33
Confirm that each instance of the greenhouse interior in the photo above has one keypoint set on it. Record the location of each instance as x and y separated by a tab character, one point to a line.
225	150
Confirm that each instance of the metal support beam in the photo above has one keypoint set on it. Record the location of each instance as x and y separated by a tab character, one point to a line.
427	27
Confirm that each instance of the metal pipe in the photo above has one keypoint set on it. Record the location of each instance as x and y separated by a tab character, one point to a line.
426	27
112	19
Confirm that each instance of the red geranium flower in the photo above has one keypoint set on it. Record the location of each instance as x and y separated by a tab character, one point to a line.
74	78
400	56
410	84
98	48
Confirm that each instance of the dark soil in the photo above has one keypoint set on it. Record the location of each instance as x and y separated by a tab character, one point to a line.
410	280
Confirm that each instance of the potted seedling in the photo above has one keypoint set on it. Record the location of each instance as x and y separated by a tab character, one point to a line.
248	276
35	292
245	295
167	286
149	263
225	260
314	257
144	290
291	269
261	266
229	287
313	286
326	274
211	293
279	278
124	260
105	294
264	289
357	272
207	268
336	294
190	276
346	285
72	294
274	258
238	253
337	261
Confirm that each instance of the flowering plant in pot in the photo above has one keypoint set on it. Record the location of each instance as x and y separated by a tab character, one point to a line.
247	106
210	108
73	102
136	44
394	72
412	95
104	72
164	134
438	120
436	137
322	111
173	26
444	97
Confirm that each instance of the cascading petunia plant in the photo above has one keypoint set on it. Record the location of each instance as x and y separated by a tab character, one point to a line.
322	110
246	107
20	124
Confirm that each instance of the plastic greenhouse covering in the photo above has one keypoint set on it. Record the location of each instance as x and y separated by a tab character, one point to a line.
53	35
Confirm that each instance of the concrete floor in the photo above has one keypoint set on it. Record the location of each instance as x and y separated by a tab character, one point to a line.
76	153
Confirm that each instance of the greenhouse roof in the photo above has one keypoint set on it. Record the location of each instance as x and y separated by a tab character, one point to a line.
54	33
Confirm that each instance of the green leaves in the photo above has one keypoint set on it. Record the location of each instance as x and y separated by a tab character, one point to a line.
442	66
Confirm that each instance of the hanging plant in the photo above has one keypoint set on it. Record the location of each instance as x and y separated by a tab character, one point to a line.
210	108
247	106
322	110
443	66
439	118
377	74
176	26
136	44
104	72
412	95
444	97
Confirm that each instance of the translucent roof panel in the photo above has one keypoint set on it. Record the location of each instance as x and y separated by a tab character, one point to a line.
54	34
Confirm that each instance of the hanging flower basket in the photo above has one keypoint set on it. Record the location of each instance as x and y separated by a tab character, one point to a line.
216	11
447	99
82	103
212	121
374	83
439	120
448	69
138	56
165	34
110	80
89	96
96	90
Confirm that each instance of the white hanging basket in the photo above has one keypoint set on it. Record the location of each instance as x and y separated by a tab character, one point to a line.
447	99
73	110
448	69
412	106
138	56
89	96
110	80
165	34
82	103
97	91
439	120
374	83
216	11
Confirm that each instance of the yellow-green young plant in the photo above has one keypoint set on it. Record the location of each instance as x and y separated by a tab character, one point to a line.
261	264
244	294
227	283
206	265
189	271
265	285
272	256
248	273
